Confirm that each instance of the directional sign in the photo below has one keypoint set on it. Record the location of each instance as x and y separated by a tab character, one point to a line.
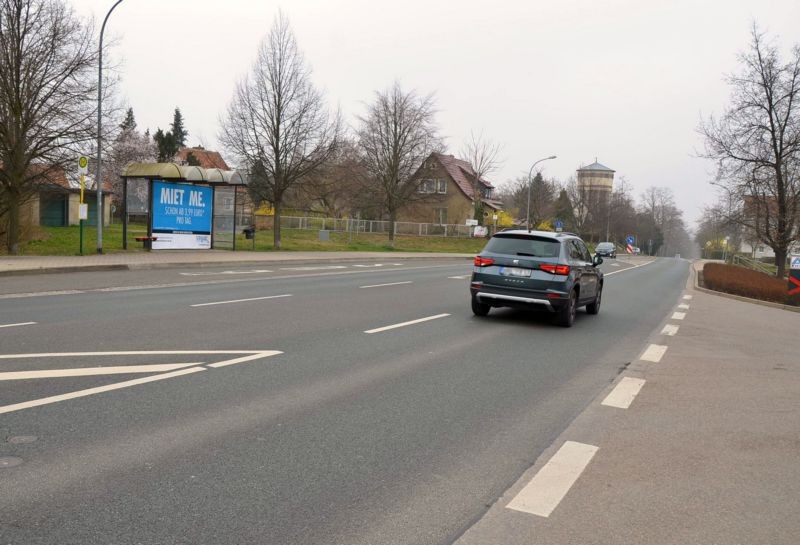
559	226
630	239
83	165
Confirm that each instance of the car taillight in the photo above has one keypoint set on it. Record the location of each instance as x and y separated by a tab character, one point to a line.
555	269
483	261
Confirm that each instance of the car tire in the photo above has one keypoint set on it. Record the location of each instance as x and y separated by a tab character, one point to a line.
478	308
594	307
566	314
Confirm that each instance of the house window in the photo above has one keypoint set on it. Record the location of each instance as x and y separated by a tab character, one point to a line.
440	216
441	186
427	186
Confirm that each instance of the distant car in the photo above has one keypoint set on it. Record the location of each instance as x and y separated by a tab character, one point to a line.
606	249
636	250
537	270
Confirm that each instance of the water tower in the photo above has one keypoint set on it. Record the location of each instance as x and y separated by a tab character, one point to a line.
596	180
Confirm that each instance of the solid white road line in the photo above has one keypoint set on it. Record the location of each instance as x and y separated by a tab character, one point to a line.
462	277
254	271
687	297
549	486
94	371
683	306
624	393
629	268
264	354
412	322
383	285
678	315
98	390
241	300
17	325
654	353
670	330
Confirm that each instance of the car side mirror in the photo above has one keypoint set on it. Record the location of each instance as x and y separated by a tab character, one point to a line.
597	261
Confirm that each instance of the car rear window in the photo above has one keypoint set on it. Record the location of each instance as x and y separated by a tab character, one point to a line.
605	246
523	245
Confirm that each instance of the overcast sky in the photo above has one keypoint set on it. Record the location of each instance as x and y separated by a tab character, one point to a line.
625	81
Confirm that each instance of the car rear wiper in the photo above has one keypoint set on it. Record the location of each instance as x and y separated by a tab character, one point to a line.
528	255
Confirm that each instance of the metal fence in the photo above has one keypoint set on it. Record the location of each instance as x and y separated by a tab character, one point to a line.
373	226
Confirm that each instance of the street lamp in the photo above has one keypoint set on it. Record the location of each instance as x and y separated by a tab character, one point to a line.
99	178
530	183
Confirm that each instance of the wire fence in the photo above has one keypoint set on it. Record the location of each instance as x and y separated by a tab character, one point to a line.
346	225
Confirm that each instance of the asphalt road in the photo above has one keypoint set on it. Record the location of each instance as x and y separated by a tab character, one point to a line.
400	436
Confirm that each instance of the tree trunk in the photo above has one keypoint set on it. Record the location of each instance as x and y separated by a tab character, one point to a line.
780	261
392	217
14	204
276	227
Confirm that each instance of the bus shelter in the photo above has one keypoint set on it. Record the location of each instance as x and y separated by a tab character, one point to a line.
184	207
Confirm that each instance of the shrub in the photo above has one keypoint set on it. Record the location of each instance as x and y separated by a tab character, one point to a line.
744	282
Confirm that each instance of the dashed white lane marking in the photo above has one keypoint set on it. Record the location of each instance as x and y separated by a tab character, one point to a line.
242	300
549	486
17	325
629	268
369	266
624	393
412	322
678	315
670	330
95	371
384	285
319	268
654	353
254	271
461	277
687	297
683	306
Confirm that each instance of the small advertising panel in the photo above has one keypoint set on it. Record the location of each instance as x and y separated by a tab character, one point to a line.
182	216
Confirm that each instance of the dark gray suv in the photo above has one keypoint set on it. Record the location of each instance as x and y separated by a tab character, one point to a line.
537	270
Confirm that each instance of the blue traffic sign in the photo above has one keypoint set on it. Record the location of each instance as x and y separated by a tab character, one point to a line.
559	225
630	239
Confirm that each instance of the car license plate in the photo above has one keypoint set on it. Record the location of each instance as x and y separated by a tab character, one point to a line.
514	271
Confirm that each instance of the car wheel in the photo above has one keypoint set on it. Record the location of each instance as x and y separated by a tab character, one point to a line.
478	308
594	308
566	314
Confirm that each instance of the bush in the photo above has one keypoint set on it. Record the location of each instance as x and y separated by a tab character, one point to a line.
745	282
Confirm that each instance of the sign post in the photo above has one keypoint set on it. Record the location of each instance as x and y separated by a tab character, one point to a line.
83	209
794	280
630	240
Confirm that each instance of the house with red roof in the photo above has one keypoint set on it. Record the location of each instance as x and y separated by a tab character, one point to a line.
201	157
446	192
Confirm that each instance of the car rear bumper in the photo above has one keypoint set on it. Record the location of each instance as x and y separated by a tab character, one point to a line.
498	299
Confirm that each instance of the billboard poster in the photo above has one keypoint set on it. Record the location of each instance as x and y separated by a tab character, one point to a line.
182	216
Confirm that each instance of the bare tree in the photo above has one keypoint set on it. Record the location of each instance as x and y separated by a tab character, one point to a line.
397	133
336	187
48	86
277	123
483	155
756	144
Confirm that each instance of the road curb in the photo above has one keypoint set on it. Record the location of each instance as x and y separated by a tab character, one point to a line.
738	297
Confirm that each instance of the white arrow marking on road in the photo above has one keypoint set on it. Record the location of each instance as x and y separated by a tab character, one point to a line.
19	324
93	371
241	300
384	285
549	486
412	322
252	355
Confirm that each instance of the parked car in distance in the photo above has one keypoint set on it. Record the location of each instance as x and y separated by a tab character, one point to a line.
537	270
606	249
636	250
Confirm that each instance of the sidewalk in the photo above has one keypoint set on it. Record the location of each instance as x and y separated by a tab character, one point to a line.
13	265
706	454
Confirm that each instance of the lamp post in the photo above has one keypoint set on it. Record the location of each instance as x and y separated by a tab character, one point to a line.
530	183
99	178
